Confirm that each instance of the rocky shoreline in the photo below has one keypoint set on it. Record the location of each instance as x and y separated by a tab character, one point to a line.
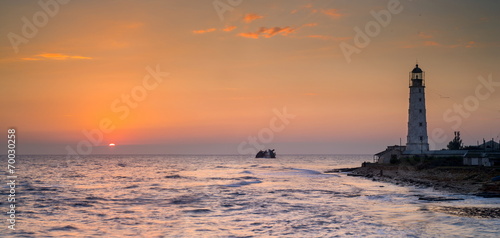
463	180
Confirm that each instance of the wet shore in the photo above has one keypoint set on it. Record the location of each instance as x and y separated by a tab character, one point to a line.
462	180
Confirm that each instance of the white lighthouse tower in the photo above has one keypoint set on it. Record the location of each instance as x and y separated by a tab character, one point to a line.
417	141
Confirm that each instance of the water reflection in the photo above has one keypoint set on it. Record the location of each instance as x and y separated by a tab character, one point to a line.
189	196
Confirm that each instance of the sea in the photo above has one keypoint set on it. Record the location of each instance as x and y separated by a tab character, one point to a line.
224	196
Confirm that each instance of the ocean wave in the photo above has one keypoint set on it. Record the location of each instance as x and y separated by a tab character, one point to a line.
242	183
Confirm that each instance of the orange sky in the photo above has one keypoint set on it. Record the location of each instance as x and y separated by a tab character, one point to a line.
231	66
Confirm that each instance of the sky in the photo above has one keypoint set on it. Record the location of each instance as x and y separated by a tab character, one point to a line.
232	77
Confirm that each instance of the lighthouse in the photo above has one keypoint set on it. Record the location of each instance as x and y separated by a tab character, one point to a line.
417	141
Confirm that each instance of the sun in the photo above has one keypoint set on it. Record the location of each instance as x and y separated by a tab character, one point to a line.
111	145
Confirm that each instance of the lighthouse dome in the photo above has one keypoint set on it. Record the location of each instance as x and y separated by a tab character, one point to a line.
416	69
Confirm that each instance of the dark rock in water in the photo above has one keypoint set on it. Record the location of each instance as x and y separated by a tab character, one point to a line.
248	177
488	195
482	212
439	199
173	176
184	200
266	154
200	210
356	175
342	170
82	204
63	228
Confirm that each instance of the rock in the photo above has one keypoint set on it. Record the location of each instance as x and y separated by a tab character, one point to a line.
270	153
439	199
488	195
342	170
464	180
355	175
491	188
482	212
173	176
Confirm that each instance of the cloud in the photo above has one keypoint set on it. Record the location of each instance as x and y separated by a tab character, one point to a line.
55	56
229	28
79	57
307	6
250	35
268	32
29	58
310	24
250	17
204	31
424	36
333	13
431	43
460	44
436	44
470	44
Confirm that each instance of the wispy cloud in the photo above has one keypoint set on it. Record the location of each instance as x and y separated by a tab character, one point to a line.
226	29
424	35
434	43
250	17
229	28
330	12
307	6
30	58
470	44
333	13
273	31
204	31
252	35
431	43
310	24
55	56
268	32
